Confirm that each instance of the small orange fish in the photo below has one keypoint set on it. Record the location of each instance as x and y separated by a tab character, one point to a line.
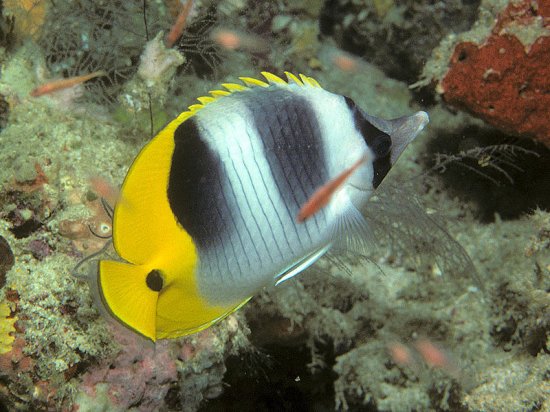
343	61
61	84
346	63
400	354
436	357
233	40
179	25
322	196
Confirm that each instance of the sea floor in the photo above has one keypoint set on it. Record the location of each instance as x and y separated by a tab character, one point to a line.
448	312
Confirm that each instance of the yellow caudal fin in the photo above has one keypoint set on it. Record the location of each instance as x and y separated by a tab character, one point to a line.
154	303
125	294
181	313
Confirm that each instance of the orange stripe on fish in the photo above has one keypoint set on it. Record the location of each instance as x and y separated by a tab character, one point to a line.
61	84
322	196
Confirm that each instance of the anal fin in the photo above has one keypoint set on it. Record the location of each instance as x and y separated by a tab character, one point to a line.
301	265
351	232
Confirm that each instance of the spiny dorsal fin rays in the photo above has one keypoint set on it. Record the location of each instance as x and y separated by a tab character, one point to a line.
271	78
250	82
293	78
310	81
206	99
219	93
234	87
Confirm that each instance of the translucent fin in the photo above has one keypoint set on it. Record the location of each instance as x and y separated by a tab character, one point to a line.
126	296
398	220
351	232
402	130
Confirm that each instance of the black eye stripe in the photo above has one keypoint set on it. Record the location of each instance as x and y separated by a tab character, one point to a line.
378	141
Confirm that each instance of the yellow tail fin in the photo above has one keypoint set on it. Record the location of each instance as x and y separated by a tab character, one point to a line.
125	294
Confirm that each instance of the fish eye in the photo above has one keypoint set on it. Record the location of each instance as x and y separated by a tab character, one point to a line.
154	280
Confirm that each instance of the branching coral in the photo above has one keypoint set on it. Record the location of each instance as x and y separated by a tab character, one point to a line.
86	36
173	375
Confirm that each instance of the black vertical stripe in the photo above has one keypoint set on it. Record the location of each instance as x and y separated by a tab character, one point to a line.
194	172
291	136
292	168
378	141
287	208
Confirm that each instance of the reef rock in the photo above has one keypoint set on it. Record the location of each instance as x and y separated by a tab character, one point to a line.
504	78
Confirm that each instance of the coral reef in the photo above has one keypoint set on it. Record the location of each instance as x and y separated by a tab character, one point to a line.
6	260
29	16
154	75
498	174
325	340
498	71
504	78
145	377
88	36
395	35
7	25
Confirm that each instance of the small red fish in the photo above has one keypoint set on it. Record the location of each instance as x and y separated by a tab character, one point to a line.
61	84
400	354
432	355
322	196
179	25
436	357
233	40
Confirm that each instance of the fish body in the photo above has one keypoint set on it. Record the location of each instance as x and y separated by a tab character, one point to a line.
209	210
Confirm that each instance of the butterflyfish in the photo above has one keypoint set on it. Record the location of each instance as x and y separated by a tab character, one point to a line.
244	190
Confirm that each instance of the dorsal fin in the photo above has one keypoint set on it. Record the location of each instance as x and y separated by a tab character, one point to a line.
248	84
251	82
